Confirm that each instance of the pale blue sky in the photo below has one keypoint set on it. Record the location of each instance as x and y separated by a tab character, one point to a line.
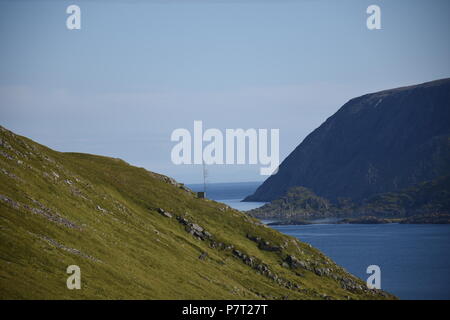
137	70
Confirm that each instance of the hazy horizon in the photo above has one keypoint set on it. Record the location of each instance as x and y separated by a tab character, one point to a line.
138	70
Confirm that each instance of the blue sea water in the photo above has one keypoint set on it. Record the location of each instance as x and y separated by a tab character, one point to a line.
230	193
414	259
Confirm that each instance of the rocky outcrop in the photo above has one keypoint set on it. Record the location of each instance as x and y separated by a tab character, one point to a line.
164	213
264	244
428	202
41	210
194	229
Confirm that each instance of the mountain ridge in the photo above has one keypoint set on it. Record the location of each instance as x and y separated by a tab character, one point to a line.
378	142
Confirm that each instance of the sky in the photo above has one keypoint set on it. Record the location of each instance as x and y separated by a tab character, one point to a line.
137	70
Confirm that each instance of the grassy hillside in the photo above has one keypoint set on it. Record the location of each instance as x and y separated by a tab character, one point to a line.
104	215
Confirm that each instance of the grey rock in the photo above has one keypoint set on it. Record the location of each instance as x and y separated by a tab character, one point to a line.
164	213
203	256
196	227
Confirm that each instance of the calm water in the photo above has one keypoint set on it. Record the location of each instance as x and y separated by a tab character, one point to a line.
231	193
414	259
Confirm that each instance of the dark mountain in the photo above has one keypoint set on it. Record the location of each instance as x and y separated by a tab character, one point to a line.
376	143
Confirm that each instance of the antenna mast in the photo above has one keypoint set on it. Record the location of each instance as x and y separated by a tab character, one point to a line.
205	174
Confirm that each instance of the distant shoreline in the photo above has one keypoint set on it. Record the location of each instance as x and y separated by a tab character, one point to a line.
361	220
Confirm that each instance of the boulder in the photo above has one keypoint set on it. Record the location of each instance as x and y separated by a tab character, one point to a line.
164	213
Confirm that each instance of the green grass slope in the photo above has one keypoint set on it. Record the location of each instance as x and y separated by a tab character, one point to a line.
102	214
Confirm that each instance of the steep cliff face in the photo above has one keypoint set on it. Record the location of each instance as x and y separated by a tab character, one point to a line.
375	143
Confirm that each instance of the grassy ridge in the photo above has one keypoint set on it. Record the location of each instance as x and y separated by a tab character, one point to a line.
59	209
